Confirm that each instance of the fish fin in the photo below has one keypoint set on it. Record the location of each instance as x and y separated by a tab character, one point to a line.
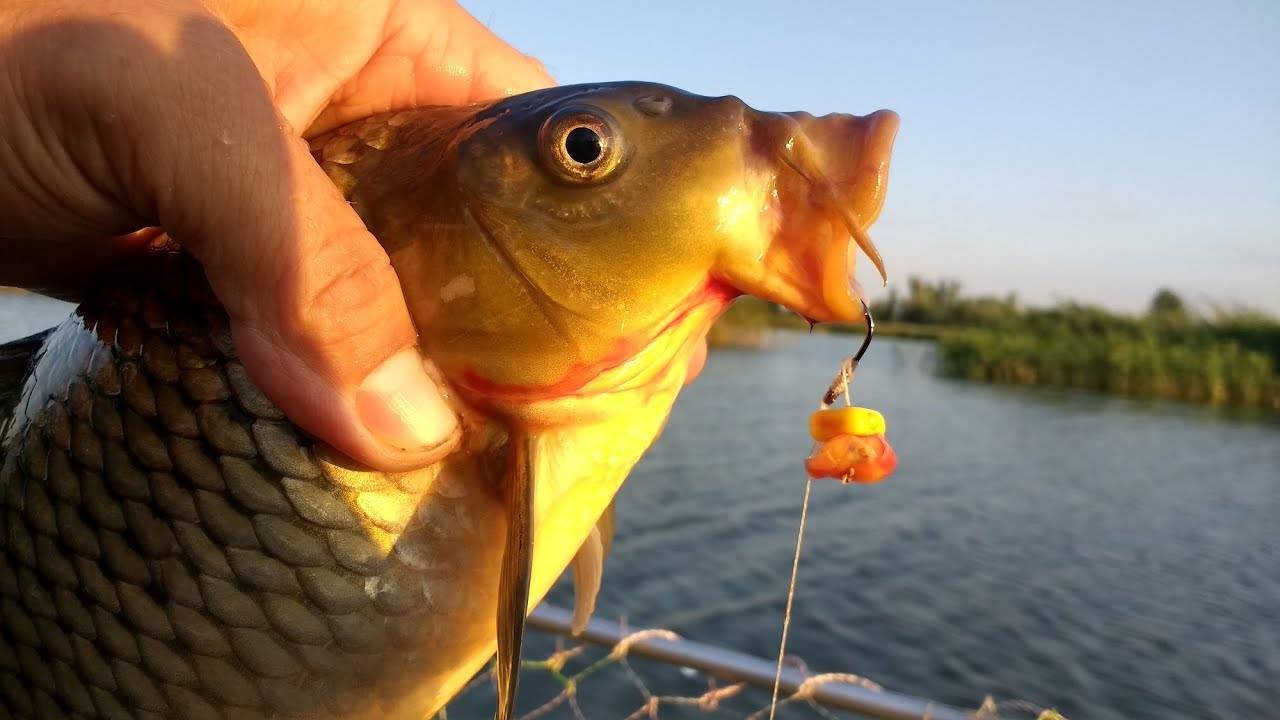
15	361
517	566
588	569
606	526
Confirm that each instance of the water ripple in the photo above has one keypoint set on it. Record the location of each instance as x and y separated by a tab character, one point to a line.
1110	557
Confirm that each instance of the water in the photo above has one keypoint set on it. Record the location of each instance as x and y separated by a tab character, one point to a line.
22	314
1109	557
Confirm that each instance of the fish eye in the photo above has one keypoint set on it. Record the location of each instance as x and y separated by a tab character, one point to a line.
581	145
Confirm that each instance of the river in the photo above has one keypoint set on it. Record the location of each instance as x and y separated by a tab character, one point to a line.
1109	557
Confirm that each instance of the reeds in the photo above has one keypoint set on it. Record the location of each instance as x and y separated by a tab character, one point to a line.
1224	356
1144	361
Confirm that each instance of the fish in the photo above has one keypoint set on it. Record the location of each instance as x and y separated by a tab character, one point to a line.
174	547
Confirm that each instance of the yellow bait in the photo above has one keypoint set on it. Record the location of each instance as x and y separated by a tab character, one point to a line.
830	422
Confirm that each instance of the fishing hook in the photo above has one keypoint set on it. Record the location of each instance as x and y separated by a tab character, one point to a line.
840	386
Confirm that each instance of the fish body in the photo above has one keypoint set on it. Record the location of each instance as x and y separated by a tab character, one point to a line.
174	547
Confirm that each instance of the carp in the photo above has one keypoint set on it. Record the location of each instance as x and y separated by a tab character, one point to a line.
174	547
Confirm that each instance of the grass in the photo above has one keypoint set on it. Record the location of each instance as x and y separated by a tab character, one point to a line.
1168	352
1223	356
1200	369
749	323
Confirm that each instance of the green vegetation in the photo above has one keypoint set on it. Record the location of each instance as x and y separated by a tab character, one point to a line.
1170	351
748	324
1227	356
749	321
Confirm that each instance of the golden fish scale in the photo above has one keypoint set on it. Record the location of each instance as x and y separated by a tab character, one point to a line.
174	549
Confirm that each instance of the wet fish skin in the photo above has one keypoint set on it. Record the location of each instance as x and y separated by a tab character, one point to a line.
174	547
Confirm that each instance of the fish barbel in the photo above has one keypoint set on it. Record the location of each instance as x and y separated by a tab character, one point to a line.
175	548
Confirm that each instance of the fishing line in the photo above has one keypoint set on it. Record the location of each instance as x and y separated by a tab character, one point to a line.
791	596
839	387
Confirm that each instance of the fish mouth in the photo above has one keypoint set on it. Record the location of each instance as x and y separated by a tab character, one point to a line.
822	182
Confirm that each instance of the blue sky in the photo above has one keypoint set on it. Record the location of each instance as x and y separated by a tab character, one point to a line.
1087	150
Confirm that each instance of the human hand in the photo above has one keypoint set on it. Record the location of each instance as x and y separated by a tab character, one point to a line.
189	116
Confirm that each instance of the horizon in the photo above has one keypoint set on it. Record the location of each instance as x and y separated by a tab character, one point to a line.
1134	145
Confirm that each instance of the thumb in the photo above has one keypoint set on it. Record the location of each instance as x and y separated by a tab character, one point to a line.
321	324
160	117
317	313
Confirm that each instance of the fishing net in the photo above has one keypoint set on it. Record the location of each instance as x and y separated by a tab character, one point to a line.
586	682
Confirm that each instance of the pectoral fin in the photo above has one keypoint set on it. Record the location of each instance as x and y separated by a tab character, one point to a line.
606	525
588	570
517	566
588	567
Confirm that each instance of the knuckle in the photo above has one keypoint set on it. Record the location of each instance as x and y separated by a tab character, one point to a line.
350	301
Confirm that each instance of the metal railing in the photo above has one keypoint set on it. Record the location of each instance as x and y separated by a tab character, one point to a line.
740	667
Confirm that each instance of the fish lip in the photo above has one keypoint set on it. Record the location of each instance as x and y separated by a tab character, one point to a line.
824	205
854	203
877	152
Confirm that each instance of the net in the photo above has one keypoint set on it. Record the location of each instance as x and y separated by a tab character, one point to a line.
577	680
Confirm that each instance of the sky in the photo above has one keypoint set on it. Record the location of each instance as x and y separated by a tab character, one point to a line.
1081	150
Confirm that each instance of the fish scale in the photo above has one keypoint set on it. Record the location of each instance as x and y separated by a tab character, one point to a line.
175	549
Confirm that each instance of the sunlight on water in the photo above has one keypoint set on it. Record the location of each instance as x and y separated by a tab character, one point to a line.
1108	557
22	314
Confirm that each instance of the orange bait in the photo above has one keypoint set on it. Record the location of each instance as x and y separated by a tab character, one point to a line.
851	446
850	443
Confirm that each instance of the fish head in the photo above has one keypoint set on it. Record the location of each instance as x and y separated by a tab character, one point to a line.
565	251
563	254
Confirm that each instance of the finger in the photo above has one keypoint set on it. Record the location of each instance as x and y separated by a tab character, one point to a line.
436	53
325	330
64	267
319	318
461	60
316	310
